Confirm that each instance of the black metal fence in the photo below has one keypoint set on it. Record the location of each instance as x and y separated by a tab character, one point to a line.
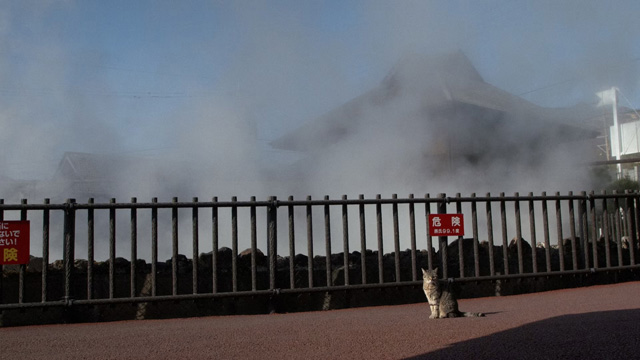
506	237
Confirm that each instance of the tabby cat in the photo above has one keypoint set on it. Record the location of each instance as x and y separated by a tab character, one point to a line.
441	299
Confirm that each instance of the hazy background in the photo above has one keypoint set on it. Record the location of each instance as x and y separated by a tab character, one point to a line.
200	88
204	86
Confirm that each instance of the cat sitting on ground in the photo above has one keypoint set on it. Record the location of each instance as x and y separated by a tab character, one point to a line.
442	302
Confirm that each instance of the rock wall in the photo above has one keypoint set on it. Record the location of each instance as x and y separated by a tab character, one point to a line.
401	294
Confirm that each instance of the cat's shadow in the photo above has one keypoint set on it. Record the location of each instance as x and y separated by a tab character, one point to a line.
492	313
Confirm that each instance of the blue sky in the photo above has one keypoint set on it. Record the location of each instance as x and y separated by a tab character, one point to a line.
143	77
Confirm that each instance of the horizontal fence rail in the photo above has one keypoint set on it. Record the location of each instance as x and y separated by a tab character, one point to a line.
109	253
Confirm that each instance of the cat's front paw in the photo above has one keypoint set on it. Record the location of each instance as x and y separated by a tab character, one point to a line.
433	316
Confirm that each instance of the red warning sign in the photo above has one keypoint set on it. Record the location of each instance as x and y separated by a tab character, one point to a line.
14	242
446	225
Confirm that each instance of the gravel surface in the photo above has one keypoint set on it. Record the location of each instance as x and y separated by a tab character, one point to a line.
598	322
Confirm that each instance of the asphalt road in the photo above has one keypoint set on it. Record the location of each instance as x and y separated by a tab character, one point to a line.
599	322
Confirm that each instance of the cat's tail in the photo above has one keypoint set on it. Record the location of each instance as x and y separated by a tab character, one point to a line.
471	314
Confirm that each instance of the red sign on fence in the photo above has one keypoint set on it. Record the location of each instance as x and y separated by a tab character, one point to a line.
446	225
14	242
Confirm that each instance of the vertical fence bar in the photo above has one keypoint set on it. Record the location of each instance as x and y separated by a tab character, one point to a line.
631	227
345	240
584	229
310	243
112	248
412	235
194	246
460	240
292	247
559	230
380	239
174	242
492	261
594	232
22	267
69	240
442	209
545	227
363	241
134	247
154	247
617	238
427	212
636	219
214	244
45	251
572	229
90	249
254	245
1	266
636	222
396	237
613	226
532	228
606	230
234	244
327	241
516	205
272	239
505	245
474	226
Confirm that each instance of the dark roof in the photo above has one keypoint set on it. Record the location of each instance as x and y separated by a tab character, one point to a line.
85	166
437	82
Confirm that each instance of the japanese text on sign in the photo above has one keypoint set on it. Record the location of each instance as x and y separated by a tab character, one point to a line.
446	225
14	242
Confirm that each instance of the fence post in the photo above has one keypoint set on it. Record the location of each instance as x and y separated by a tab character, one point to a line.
396	236
534	241
45	250
254	246
460	240
442	209
112	248
272	238
195	238
174	243
234	245
584	230
505	241
345	240
310	242
516	205
292	246
69	248
363	241
412	236
134	248
1	270
380	239
631	225
22	268
327	241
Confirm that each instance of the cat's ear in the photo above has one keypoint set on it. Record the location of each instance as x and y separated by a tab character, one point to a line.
424	272
436	270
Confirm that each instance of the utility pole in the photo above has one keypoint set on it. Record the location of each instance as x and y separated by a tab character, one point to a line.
611	97
617	130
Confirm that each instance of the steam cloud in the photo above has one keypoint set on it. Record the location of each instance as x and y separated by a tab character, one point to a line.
200	113
281	73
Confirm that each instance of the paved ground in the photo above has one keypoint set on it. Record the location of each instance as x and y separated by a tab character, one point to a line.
599	322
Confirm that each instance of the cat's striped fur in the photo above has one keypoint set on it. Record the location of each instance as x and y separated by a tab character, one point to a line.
441	299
